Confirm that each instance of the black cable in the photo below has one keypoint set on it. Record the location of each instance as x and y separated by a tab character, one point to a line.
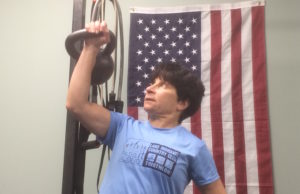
121	50
101	165
98	10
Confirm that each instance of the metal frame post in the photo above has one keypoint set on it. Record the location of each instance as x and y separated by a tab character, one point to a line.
74	155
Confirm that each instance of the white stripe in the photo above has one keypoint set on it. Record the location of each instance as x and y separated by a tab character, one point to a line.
226	97
205	76
187	123
142	114
189	188
248	104
198	7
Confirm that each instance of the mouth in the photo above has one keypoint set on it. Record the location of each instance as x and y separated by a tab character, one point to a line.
149	99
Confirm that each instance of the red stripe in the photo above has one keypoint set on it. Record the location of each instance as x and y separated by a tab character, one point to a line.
215	88
196	130
237	102
133	111
196	189
260	102
196	124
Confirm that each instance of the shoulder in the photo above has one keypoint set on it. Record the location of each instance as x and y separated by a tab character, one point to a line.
120	119
117	117
191	139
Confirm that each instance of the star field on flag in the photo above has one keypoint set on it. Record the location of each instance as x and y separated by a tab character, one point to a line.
158	39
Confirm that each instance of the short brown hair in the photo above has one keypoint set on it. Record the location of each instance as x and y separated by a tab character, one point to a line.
188	86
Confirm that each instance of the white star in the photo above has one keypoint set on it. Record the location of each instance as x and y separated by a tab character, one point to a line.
160	44
187	44
160	29
140	21
146	60
194	36
194	68
153	21
152	52
139	52
180	36
145	75
187	60
166	52
173	44
167	21
139	68
194	51
159	60
180	52
147	29
153	36
146	44
173	29
140	36
180	21
187	29
194	20
144	91
138	83
152	68
138	99
167	36
173	60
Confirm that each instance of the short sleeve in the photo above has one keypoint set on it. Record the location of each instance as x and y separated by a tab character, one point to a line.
116	121
204	170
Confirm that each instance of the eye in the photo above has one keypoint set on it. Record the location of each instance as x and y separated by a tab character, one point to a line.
161	84
150	84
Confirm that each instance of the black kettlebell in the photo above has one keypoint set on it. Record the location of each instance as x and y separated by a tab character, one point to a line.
104	63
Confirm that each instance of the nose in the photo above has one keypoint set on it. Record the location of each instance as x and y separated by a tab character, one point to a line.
150	88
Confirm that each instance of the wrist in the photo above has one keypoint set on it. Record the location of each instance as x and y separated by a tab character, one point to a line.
91	49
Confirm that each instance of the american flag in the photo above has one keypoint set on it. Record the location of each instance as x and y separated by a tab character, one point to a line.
224	44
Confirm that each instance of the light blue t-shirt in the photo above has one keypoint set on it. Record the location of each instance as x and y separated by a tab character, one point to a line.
155	161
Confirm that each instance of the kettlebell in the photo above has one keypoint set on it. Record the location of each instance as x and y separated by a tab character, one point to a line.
104	65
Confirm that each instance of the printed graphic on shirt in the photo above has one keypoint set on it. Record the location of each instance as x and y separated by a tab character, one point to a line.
134	151
161	158
150	155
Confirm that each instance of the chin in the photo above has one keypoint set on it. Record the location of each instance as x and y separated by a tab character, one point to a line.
147	108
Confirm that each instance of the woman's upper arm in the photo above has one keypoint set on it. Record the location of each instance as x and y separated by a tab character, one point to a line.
94	118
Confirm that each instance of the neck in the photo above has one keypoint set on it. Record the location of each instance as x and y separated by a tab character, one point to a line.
163	121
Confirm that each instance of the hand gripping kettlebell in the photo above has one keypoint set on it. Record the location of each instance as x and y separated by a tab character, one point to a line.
104	63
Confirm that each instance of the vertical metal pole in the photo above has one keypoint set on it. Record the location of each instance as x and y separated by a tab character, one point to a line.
74	156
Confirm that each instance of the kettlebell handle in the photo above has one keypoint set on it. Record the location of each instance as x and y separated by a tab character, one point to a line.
82	35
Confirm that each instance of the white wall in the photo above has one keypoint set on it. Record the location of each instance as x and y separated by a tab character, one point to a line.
34	71
33	83
283	59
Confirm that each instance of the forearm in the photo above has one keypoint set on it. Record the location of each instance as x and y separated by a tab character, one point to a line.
79	87
94	117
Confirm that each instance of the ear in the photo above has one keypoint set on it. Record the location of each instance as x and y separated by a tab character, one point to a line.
182	105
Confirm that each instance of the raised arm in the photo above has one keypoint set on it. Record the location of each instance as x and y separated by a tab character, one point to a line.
94	117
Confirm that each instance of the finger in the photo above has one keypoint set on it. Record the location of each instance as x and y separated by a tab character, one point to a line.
97	26
87	27
92	27
103	26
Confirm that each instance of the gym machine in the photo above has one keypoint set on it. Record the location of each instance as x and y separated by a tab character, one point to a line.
77	137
